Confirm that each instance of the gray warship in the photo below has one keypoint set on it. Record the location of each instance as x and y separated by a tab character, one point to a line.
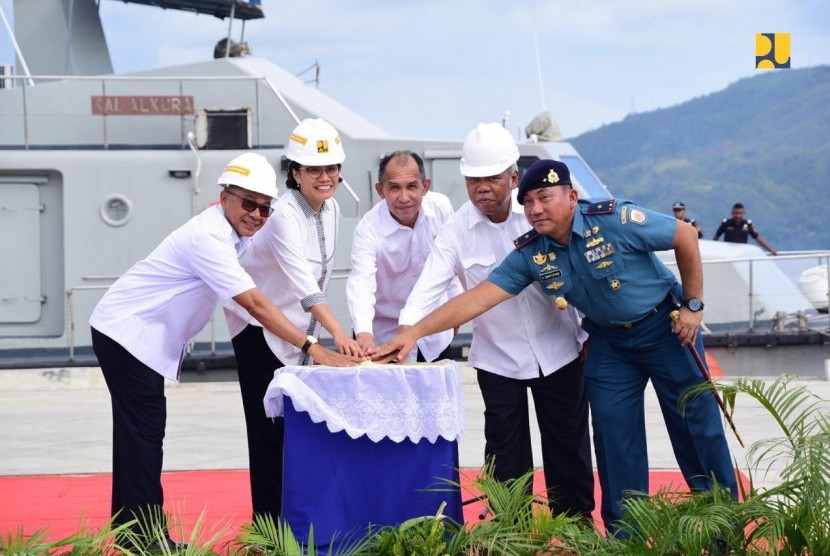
97	168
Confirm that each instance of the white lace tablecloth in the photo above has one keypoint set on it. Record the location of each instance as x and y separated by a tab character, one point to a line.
414	401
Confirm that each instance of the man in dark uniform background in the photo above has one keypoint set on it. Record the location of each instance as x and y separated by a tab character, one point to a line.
738	230
679	209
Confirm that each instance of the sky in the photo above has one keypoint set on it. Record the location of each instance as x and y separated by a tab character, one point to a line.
433	69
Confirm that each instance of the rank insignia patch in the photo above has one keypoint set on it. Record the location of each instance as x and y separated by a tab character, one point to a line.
602	207
540	258
520	242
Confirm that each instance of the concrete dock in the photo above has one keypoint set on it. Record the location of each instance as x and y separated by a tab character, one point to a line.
58	421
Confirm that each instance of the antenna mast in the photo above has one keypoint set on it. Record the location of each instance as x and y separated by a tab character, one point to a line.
539	69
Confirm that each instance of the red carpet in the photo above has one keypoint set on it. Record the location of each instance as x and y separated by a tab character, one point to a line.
64	504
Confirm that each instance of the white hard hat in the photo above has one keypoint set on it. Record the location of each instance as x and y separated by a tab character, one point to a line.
250	171
488	150
314	142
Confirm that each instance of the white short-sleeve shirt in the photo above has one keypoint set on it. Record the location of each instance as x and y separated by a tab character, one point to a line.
291	260
160	304
515	338
387	258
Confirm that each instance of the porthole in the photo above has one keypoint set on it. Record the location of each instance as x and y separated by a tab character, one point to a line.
116	210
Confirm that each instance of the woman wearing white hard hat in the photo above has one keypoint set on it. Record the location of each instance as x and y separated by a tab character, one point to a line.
292	261
143	323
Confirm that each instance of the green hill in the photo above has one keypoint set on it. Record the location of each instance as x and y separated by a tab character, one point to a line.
763	141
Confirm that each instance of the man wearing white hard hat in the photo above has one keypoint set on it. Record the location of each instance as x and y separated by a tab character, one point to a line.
523	343
144	322
291	260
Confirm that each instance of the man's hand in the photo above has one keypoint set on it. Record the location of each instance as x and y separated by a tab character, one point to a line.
348	346
685	324
397	348
366	341
331	358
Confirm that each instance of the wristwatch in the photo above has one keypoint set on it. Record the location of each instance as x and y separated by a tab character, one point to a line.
309	341
693	304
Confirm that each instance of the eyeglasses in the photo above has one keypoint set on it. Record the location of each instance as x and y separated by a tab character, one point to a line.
249	205
317	171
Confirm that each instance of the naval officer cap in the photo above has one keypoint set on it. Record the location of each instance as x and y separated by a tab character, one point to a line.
543	173
678	205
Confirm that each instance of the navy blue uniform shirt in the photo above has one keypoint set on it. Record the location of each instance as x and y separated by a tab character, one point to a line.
736	232
608	271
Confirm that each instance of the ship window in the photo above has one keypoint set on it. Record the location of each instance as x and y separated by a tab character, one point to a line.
586	179
116	210
223	129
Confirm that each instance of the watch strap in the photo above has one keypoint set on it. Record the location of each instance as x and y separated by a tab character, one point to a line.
309	341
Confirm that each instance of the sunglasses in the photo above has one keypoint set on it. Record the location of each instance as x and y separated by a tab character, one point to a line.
317	171
249	205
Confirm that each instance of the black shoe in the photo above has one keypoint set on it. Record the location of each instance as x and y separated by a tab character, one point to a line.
171	545
156	546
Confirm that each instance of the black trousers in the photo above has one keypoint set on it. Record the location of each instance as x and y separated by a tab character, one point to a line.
562	413
256	363
139	416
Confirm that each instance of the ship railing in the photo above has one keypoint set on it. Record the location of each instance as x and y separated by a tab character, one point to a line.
337	274
753	281
70	312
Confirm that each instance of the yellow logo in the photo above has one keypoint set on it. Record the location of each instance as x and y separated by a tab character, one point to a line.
772	50
539	258
594	242
604	264
322	146
555	285
553	177
615	284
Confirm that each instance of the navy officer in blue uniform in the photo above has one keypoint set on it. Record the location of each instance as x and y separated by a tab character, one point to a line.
599	257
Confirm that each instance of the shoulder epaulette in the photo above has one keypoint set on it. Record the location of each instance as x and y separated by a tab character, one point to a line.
525	238
602	207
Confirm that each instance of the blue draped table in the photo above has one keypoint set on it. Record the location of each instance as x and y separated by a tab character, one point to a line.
367	446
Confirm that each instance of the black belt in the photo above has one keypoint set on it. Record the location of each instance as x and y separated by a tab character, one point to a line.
667	302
